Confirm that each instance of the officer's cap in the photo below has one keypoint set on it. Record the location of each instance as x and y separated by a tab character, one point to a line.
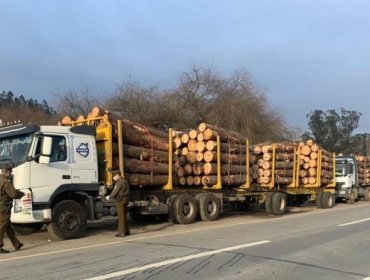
6	164
113	171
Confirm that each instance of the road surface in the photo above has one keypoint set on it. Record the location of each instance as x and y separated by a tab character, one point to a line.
308	243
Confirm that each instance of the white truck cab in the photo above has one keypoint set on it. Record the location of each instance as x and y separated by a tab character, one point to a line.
346	170
57	169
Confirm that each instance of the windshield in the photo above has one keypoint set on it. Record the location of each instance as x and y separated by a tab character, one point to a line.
340	169
15	148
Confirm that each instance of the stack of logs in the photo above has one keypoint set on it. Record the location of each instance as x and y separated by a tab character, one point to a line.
308	161
146	156
197	156
363	170
145	150
261	160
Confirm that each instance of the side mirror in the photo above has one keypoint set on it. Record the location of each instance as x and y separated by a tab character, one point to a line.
44	159
46	146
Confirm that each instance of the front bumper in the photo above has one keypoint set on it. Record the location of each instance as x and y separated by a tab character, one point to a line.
344	193
39	216
23	212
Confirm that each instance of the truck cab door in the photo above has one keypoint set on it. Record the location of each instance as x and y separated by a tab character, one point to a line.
351	175
58	172
84	162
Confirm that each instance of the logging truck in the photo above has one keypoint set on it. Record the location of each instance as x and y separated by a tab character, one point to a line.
62	170
352	178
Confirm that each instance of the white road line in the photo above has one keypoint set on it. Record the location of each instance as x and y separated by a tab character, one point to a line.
367	278
354	222
60	251
181	259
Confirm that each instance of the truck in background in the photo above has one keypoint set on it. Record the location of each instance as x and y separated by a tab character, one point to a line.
352	178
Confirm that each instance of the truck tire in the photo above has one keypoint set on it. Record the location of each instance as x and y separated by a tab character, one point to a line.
319	199
352	197
268	202
367	194
209	207
24	229
327	200
68	220
184	209
169	203
278	203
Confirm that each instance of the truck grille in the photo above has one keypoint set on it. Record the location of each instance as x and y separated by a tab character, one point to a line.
339	185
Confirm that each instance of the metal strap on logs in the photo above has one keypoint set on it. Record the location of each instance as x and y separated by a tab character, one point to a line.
169	185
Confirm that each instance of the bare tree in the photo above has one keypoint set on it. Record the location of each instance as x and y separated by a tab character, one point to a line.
233	103
136	102
74	103
203	95
196	89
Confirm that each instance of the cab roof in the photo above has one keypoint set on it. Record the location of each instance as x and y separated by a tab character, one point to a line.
32	128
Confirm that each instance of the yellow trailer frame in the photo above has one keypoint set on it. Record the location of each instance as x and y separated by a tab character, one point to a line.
104	144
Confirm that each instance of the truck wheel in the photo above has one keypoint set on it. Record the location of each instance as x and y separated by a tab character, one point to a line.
278	203
319	199
169	203
268	202
367	194
356	194
327	200
352	197
68	220
209	207
184	209
24	229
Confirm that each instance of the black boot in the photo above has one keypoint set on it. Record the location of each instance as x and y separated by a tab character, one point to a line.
3	251
19	247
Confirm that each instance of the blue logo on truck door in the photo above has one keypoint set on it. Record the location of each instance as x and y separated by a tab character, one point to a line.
83	149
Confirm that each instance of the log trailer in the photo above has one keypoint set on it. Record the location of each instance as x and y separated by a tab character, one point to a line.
299	174
63	172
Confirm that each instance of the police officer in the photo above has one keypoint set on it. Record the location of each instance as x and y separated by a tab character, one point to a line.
7	194
120	194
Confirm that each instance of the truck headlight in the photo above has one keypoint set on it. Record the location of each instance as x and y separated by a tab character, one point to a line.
17	206
24	204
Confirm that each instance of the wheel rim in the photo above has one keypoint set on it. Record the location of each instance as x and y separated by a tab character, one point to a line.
330	200
69	221
353	196
186	209
210	207
282	204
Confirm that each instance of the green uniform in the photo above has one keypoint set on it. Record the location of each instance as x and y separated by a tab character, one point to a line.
7	194
121	193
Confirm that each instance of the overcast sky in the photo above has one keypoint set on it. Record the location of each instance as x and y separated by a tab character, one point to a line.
305	55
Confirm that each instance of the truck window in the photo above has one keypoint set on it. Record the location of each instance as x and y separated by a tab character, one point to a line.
350	168
340	169
15	148
58	149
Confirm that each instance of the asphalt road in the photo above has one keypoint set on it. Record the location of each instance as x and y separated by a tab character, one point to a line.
307	243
